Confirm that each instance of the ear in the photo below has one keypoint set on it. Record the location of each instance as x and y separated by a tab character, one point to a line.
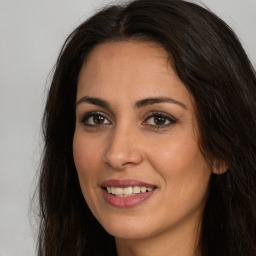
219	167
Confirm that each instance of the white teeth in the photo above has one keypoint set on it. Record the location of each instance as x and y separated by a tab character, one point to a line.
127	191
136	189
143	189
118	191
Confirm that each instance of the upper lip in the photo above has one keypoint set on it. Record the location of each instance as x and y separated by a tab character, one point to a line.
125	183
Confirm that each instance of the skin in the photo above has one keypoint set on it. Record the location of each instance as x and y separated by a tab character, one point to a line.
130	144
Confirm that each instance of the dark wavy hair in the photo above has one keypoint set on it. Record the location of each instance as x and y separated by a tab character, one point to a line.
210	61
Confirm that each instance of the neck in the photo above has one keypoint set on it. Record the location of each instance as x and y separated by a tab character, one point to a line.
180	241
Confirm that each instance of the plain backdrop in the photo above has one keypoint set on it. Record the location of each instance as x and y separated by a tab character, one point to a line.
31	34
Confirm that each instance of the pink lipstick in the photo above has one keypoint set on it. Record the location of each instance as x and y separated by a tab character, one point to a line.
126	193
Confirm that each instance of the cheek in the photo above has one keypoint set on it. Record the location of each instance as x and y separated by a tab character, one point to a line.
86	161
84	151
185	176
177	154
184	170
87	166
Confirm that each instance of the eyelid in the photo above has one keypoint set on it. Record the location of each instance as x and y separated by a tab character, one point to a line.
169	117
86	116
172	120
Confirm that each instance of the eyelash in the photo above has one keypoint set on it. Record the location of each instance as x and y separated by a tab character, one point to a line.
171	120
86	117
166	117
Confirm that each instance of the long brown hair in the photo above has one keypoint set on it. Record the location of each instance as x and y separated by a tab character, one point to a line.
212	64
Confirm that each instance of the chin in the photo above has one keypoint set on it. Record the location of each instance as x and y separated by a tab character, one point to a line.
129	229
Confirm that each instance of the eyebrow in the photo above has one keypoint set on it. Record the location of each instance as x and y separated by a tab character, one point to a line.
138	104
151	101
94	101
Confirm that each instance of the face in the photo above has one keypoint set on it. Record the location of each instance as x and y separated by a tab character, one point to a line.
135	145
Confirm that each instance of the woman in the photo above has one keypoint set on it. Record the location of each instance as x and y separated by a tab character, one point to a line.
150	139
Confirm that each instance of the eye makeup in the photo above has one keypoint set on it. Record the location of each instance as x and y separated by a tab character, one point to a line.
154	120
95	118
158	120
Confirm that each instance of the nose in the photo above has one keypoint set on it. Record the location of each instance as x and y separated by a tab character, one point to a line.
123	149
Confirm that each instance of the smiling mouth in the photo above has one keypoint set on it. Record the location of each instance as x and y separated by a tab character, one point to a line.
128	191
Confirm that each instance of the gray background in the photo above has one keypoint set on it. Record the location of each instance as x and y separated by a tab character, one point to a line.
31	34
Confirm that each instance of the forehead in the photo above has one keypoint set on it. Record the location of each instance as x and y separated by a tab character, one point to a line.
129	56
130	70
128	48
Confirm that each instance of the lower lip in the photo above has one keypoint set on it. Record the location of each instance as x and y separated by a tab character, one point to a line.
129	201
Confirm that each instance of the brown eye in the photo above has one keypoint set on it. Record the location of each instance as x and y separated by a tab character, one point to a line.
98	119
159	120
95	119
